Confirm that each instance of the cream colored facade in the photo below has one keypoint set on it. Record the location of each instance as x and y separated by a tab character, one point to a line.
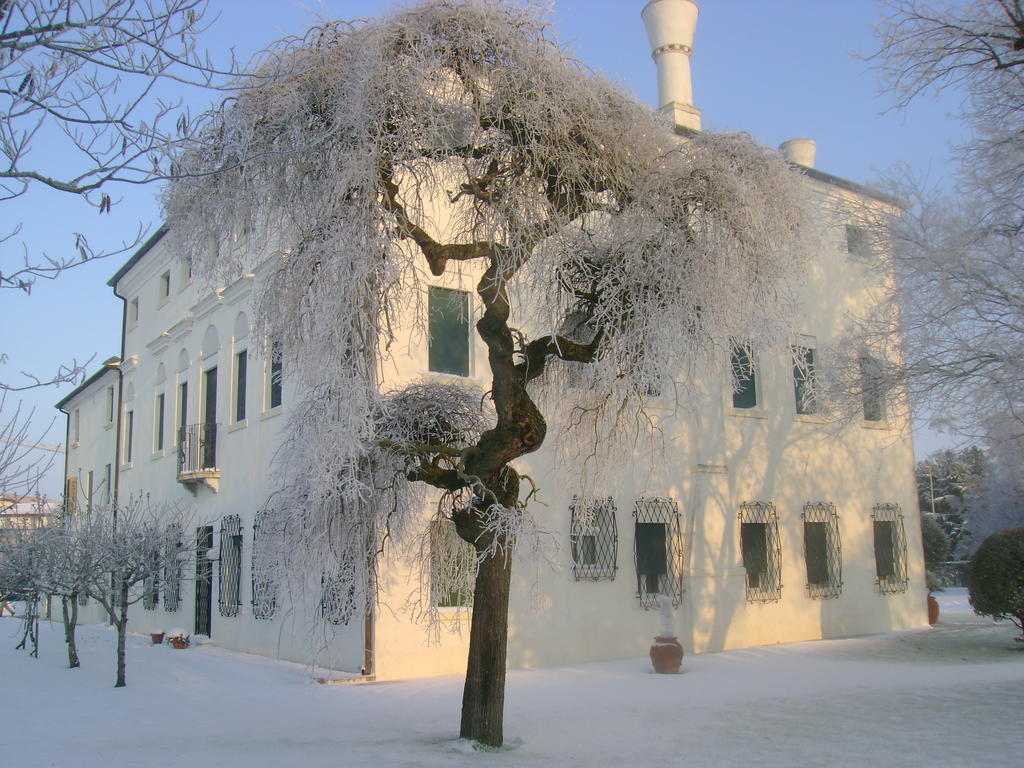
716	463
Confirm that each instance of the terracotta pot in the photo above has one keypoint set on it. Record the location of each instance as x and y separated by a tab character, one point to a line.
179	643
157	637
933	610
666	655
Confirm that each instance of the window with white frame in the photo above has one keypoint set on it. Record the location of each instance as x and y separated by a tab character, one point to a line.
158	423
873	388
275	376
240	375
133	312
110	405
744	376
76	428
804	385
129	430
164	290
593	538
108	482
448	337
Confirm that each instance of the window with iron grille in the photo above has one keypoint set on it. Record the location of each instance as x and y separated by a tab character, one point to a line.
890	549
762	551
822	552
657	551
151	584
338	597
230	565
264	567
172	573
594	538
452	567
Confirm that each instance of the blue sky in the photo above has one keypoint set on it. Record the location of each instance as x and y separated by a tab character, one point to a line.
777	69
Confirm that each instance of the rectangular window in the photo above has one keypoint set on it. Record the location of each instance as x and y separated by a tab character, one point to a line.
133	313
452	567
762	551
71	496
186	269
230	565
241	363
110	405
822	553
448	343
594	538
872	382
108	480
129	429
88	491
803	380
165	286
744	375
172	571
657	550
158	423
890	548
182	405
858	241
151	583
275	375
76	431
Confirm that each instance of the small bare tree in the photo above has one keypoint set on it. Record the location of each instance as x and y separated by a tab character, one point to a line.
456	138
125	551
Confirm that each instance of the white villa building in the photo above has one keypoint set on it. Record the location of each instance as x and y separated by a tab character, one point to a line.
763	520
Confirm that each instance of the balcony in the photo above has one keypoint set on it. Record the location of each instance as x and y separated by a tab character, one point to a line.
197	456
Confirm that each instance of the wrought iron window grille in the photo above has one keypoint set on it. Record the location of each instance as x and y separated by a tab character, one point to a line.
593	538
151	584
890	549
657	551
337	598
762	551
230	565
172	576
823	554
264	567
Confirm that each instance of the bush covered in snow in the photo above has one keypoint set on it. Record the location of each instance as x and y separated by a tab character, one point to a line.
995	576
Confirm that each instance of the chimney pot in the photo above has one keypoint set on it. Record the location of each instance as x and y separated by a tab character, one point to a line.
799	151
671	25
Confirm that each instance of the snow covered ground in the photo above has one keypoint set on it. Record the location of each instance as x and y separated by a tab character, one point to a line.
946	696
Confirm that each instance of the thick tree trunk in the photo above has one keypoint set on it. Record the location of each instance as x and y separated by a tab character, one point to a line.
122	631
483	698
69	612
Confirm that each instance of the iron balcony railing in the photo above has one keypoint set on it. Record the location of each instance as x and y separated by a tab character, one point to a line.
197	448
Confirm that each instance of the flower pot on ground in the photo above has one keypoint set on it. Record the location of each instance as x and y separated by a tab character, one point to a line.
667	652
178	638
666	655
156	637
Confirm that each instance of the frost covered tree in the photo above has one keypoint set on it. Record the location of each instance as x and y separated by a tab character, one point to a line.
959	255
456	140
125	552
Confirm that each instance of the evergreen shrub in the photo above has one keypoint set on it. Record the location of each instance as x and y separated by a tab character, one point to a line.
995	576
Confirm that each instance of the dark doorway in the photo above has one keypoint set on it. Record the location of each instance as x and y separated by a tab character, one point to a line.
204	579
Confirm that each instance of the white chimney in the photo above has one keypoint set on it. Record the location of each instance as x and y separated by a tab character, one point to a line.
799	151
670	28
